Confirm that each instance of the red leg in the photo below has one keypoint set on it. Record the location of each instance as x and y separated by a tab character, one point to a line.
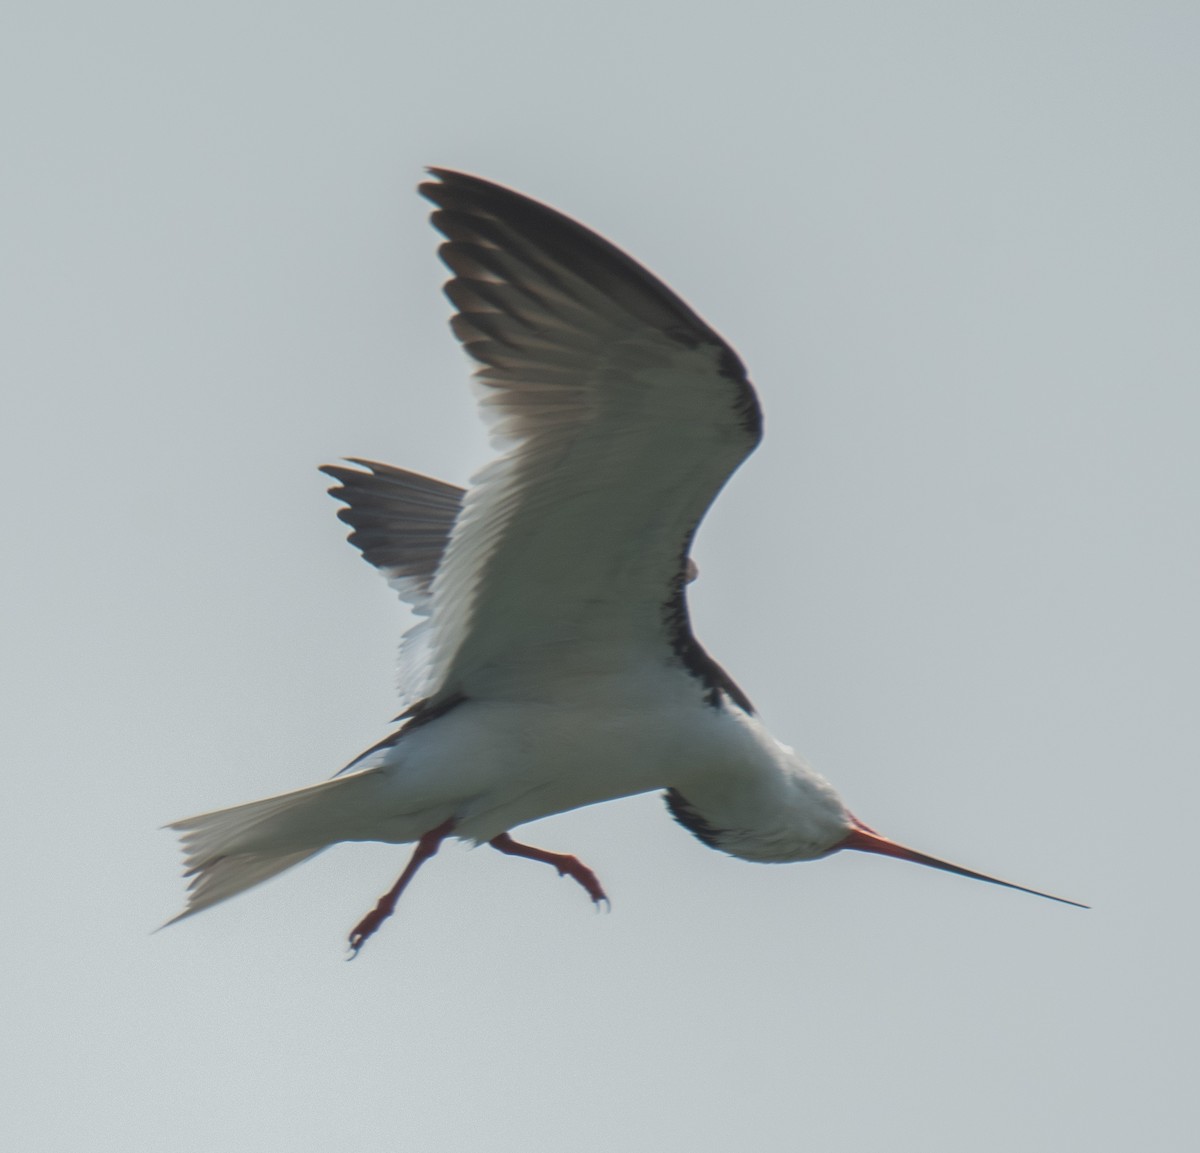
566	865
426	847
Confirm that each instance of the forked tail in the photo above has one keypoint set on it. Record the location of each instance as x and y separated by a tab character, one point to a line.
229	851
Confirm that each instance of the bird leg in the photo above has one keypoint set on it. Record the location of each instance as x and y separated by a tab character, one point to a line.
426	847
566	865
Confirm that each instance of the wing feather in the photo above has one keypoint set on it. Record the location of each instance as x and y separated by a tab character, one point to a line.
621	415
401	522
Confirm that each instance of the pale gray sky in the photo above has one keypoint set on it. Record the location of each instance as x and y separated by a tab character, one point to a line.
957	245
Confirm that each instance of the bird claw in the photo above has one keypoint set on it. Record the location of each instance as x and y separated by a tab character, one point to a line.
574	868
564	863
426	847
365	929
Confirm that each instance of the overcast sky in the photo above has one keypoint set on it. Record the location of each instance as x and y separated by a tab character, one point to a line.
957	246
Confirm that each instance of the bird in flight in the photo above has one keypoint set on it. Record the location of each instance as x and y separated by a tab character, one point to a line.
553	663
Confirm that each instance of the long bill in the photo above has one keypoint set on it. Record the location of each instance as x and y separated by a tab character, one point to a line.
866	840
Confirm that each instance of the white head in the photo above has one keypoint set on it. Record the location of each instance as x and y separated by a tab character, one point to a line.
794	814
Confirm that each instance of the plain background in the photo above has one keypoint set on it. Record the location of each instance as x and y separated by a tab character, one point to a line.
957	246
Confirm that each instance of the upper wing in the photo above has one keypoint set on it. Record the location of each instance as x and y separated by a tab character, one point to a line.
622	414
401	522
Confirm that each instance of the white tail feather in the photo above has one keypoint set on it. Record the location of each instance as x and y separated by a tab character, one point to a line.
231	850
224	877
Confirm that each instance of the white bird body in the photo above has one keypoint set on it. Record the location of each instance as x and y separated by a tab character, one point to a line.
493	765
553	664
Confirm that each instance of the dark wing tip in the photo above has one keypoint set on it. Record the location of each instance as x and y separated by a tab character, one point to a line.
401	520
473	208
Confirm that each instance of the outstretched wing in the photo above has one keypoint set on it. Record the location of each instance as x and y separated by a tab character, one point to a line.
622	415
401	522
